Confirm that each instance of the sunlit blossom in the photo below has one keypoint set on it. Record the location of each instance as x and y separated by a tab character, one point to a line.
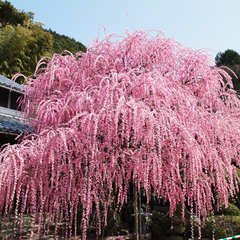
141	107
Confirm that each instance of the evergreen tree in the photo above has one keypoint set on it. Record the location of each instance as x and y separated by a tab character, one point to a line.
227	58
11	16
62	43
231	60
24	42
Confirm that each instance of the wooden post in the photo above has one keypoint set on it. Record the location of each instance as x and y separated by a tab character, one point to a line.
139	215
136	210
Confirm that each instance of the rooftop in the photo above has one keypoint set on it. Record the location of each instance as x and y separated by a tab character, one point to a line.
8	83
10	125
11	122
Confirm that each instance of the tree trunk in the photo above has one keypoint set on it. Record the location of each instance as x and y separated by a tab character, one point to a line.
139	215
136	211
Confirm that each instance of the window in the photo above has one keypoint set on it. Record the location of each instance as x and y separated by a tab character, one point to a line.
9	99
15	100
4	97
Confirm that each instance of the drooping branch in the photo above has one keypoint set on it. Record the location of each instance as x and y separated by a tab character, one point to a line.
144	108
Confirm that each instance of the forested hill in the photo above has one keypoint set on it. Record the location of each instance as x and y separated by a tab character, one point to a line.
24	42
62	42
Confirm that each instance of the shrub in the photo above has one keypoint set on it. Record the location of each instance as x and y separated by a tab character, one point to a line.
114	224
223	226
232	210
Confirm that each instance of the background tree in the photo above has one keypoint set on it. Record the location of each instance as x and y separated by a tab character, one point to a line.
21	47
24	42
143	110
62	43
11	16
227	58
231	60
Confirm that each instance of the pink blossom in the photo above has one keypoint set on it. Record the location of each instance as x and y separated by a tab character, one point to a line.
141	107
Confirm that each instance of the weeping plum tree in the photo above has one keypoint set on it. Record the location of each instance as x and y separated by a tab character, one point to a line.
142	108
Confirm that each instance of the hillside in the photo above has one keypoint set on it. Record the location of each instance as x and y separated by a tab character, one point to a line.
62	42
24	42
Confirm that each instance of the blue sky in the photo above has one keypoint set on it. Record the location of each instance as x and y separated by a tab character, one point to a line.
211	24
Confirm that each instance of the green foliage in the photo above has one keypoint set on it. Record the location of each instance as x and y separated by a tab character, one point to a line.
236	199
230	59
62	42
11	16
222	226
177	227
163	225
159	224
225	223
232	210
21	47
235	76
24	42
114	224
227	58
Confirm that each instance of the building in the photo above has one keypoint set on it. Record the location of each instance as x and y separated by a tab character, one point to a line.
11	123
